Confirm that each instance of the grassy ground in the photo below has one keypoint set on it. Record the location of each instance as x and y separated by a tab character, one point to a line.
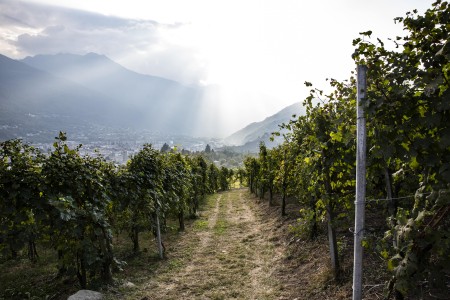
238	248
241	248
21	279
224	254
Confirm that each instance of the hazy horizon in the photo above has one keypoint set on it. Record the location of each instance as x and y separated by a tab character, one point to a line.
257	53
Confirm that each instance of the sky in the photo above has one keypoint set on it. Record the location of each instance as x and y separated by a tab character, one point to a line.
258	53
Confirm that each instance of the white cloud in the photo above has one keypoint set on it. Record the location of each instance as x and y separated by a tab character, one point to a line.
30	29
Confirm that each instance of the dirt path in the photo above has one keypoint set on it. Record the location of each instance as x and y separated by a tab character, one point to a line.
225	254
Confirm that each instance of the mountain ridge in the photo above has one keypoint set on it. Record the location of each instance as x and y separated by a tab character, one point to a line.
58	64
262	130
33	99
154	102
61	91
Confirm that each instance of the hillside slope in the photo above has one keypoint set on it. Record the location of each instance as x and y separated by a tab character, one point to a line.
258	130
154	103
247	140
32	100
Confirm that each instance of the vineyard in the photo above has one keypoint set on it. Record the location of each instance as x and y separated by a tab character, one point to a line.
408	157
74	206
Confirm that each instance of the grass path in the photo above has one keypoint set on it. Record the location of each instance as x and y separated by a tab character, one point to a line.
239	247
225	254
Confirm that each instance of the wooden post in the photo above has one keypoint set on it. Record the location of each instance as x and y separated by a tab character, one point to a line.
360	181
334	255
158	235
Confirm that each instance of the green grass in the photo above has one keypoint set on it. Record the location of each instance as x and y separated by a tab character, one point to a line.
200	225
22	279
210	202
220	227
175	264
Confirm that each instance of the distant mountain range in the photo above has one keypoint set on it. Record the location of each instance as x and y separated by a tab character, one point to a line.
32	99
142	101
270	124
248	138
73	90
66	91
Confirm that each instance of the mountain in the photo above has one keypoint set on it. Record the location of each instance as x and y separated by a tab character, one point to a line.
147	102
47	93
33	100
255	132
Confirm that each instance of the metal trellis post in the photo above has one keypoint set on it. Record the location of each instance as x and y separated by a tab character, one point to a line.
360	181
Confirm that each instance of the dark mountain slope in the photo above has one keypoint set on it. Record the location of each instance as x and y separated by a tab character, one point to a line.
31	99
154	103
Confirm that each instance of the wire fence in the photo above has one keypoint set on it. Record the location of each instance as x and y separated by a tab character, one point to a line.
398	198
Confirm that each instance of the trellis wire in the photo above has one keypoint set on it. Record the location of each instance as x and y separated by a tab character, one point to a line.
397	198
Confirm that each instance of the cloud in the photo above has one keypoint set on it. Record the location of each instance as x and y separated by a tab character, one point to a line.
142	45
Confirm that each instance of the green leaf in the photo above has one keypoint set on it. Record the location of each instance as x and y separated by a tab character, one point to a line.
413	163
336	136
366	33
391	265
365	244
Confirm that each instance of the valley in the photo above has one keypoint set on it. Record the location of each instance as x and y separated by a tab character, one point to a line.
95	100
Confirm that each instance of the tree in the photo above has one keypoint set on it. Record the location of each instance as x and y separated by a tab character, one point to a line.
213	178
268	162
241	176
224	178
281	179
177	185
22	208
131	211
75	189
409	106
199	181
252	170
208	148
147	172
165	148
